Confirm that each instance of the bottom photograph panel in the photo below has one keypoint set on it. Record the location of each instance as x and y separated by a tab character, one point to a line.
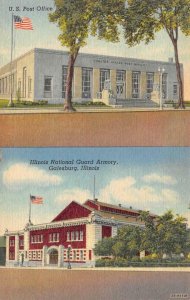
94	207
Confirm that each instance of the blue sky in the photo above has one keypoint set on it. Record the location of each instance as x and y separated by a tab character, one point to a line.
155	179
45	36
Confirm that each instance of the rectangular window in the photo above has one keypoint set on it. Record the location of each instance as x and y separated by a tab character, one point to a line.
74	255
77	235
64	80
11	255
2	85
72	236
81	235
104	75
54	237
175	89
29	86
86	82
68	236
5	85
136	85
12	242
81	255
164	85
24	82
150	82
48	86
120	76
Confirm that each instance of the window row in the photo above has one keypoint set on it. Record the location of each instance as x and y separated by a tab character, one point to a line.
105	82
75	235
55	237
35	255
5	84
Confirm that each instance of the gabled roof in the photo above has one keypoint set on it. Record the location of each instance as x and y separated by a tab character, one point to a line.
101	206
74	210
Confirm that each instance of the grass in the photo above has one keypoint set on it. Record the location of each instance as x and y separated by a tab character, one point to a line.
43	104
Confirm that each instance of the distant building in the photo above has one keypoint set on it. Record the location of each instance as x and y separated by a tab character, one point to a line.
78	228
2	250
40	74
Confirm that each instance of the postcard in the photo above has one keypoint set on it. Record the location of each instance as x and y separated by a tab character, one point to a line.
94	157
86	208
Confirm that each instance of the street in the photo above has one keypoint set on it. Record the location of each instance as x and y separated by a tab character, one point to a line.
124	128
72	284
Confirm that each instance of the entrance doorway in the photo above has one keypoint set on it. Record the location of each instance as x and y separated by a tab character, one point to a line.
53	257
120	90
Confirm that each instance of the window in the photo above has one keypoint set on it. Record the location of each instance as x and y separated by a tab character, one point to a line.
164	85
21	242
77	235
81	235
68	236
64	80
150	82
54	237
74	255
11	255
81	255
38	238
12	242
175	89
48	87
29	85
135	84
24	82
72	236
2	85
120	75
5	84
86	82
104	75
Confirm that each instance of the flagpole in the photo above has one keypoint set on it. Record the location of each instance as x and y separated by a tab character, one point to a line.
29	210
11	104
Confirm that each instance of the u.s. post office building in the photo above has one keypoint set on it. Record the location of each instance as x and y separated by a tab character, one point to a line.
40	74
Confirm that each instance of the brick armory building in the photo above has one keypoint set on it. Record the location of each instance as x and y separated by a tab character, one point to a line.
40	74
78	228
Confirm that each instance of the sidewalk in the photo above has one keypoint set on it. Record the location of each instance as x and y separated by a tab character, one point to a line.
130	269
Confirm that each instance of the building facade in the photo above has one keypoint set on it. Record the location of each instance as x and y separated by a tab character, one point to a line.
41	74
70	237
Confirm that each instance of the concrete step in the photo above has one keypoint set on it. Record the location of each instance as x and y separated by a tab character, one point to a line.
136	103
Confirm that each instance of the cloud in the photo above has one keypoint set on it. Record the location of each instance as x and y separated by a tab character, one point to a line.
69	195
20	174
156	178
125	191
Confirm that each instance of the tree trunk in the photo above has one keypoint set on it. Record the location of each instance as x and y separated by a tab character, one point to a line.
179	77
70	72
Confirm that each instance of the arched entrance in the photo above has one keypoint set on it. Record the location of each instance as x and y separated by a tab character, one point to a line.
53	257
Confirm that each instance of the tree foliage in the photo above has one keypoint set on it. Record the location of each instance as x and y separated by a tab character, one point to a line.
166	234
144	18
77	20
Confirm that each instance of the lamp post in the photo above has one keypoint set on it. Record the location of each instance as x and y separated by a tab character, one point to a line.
161	71
69	251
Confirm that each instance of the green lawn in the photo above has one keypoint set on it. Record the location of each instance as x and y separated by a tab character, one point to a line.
27	104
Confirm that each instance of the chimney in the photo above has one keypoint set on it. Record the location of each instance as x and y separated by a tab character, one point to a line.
170	59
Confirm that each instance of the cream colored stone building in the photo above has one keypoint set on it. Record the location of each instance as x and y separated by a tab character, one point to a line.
40	74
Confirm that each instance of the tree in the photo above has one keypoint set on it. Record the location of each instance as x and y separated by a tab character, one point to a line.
144	18
104	247
171	234
148	236
77	19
